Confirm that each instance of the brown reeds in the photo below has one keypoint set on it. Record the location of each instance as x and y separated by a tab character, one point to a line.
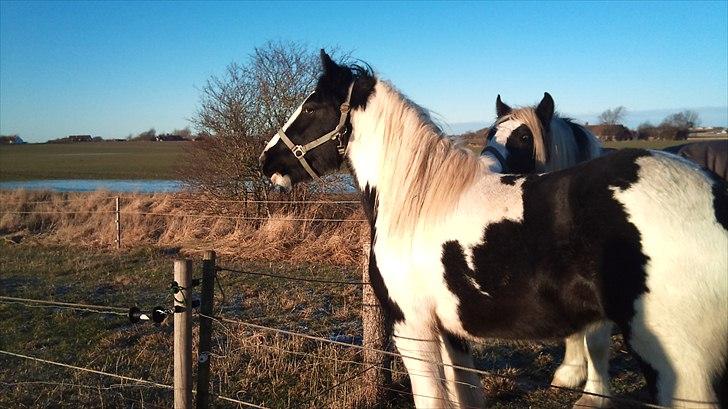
298	232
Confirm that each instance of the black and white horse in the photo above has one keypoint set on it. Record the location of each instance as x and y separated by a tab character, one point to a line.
538	140
637	238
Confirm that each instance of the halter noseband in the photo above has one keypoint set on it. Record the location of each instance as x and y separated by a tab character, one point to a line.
499	157
300	150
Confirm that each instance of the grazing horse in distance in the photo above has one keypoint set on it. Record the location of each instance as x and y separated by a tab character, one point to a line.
637	238
536	140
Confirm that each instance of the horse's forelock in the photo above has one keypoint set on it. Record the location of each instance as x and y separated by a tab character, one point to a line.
541	146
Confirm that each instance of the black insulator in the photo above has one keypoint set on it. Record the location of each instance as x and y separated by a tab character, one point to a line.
158	314
195	303
134	314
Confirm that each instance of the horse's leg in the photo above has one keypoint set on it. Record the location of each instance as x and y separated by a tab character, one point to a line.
572	372
597	341
680	370
419	345
463	386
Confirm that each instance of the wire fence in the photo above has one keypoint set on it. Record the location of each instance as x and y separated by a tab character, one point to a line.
192	200
121	377
187	215
221	320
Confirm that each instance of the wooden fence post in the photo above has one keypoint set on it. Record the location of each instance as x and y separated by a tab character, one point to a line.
183	335
375	336
206	307
118	224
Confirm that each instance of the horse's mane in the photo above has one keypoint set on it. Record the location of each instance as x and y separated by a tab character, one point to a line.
423	173
553	153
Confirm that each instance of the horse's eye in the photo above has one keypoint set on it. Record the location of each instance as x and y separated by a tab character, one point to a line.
308	111
525	137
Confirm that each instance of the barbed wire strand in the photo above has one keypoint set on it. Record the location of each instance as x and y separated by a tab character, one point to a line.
51	303
270	201
126	378
195	216
64	308
59	212
181	199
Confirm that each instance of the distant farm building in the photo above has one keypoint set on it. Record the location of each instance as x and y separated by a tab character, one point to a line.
170	138
79	138
11	140
611	132
707	132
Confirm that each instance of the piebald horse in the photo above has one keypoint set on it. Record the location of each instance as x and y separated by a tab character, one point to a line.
637	238
538	140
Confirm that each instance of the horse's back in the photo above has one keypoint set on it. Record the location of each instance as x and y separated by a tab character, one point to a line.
614	229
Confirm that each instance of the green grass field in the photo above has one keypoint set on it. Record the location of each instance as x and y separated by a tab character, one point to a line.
108	160
642	144
133	160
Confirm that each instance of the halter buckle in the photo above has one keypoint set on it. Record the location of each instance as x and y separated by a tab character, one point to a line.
345	107
298	151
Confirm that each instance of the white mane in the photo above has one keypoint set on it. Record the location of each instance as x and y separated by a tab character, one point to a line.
418	171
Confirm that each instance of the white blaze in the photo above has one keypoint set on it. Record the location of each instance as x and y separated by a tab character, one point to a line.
274	140
277	179
503	131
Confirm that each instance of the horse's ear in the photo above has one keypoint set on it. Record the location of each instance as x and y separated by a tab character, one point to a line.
545	110
501	109
328	65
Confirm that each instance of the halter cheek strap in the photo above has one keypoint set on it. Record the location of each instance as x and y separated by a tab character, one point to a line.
299	151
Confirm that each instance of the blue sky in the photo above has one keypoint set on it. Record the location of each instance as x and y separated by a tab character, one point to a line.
111	69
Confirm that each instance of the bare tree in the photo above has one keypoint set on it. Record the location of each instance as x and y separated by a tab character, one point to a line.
683	120
240	110
612	116
148	135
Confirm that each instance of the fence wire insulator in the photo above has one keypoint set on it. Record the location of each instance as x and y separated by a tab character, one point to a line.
157	315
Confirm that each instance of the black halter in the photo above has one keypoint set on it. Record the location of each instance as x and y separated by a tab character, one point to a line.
490	149
300	150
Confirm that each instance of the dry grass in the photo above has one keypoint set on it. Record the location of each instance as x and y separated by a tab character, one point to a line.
171	221
251	365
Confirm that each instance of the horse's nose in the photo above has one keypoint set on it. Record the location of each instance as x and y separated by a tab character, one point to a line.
261	158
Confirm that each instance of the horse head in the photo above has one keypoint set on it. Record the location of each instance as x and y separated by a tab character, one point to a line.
314	139
517	138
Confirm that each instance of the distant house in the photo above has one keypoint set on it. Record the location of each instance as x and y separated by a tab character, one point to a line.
80	138
706	132
11	140
170	138
615	132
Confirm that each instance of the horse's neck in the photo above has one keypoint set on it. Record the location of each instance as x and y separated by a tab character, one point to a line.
396	150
